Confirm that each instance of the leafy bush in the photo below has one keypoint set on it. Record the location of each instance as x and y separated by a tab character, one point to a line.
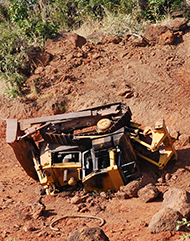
156	10
29	17
26	25
10	61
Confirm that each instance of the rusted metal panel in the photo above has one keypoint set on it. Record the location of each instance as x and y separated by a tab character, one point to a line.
26	123
11	130
21	148
111	109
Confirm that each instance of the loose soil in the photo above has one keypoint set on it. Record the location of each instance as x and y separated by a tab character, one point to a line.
157	78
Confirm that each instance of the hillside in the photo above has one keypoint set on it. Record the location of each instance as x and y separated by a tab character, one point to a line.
71	74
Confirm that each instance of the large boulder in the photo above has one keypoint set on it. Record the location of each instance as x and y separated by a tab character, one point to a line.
111	39
26	212
64	42
178	200
164	220
88	234
148	193
177	24
159	34
131	188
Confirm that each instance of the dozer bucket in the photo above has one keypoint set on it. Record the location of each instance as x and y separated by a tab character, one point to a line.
22	148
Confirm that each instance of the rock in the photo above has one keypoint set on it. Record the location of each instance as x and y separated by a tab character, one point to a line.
37	210
159	34
178	200
148	193
81	206
137	41
124	92
167	176
121	195
22	211
39	70
63	37
38	59
184	139
28	226
103	195
42	233
177	24
164	220
40	190
111	39
76	40
160	180
97	208
69	56
125	40
95	37
85	209
96	55
174	133
76	200
88	234
131	188
27	212
129	95
2	187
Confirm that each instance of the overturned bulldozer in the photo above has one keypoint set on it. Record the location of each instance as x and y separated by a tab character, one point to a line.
99	147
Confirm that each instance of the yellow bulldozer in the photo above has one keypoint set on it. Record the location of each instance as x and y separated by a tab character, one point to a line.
98	147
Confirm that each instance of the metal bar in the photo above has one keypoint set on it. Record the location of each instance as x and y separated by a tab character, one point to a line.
102	111
26	123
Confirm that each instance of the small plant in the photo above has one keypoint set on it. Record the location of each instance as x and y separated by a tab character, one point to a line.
182	223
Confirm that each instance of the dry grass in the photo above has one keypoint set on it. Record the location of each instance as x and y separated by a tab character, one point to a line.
3	87
117	25
90	27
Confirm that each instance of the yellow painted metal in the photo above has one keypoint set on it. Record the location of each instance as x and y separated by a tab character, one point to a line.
141	142
113	172
160	138
106	179
54	173
112	157
98	181
115	177
148	159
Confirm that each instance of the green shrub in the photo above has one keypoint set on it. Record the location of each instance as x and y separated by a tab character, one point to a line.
183	223
157	10
30	18
10	60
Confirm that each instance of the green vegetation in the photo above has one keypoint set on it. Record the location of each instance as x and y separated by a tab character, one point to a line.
14	239
183	223
25	23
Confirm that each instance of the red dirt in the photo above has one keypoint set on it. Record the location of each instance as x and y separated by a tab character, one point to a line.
75	78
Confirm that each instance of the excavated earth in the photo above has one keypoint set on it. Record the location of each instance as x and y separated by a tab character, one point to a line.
69	75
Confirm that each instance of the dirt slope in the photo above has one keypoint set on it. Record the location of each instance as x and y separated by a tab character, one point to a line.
153	80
